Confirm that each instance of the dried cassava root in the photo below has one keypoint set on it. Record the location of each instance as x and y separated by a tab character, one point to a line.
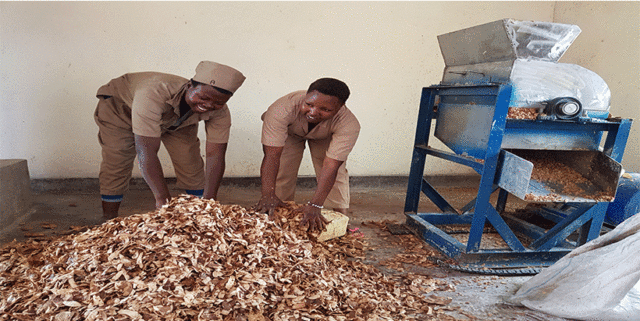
552	171
196	259
522	113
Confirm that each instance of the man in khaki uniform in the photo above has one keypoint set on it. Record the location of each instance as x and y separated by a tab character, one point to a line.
138	111
318	117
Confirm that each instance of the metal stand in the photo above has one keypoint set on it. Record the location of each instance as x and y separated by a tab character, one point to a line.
485	158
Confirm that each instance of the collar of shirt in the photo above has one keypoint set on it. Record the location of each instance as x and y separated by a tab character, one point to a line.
177	98
191	117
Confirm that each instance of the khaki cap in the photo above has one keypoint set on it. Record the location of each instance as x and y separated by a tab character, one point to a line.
218	75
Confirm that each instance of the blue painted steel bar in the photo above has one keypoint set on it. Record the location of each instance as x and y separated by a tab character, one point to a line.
510	259
423	225
560	231
415	182
488	176
532	231
474	90
463	160
443	219
591	227
423	127
592	231
437	198
555	215
503	229
596	125
617	140
469	206
435	237
502	200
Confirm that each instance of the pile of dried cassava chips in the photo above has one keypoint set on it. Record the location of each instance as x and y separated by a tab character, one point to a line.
196	259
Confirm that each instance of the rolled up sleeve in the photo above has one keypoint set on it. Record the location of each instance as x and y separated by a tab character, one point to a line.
218	126
146	113
344	139
276	120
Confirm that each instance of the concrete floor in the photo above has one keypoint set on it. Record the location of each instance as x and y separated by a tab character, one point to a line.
56	211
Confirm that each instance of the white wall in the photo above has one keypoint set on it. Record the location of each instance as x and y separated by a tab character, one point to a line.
56	54
609	44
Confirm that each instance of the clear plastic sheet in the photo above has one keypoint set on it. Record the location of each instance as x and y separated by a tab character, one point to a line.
545	41
525	54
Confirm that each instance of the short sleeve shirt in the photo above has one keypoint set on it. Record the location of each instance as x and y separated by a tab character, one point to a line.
154	99
284	118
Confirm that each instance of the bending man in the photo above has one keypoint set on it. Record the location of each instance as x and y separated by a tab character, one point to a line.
319	117
139	111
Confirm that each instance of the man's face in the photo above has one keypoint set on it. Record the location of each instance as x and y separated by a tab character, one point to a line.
204	98
318	107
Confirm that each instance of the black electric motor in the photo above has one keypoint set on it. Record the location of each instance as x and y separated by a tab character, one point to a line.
564	108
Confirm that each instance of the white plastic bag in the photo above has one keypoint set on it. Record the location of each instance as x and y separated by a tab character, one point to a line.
537	81
596	281
541	40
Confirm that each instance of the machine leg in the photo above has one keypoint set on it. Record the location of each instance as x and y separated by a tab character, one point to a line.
415	182
591	229
617	140
417	162
479	214
502	200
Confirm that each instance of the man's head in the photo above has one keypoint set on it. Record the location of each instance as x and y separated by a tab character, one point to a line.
332	87
324	99
212	86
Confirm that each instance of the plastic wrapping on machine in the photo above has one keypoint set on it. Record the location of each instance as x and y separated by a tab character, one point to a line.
545	41
535	82
506	40
525	54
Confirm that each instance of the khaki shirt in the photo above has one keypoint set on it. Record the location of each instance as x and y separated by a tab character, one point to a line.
154	99
284	118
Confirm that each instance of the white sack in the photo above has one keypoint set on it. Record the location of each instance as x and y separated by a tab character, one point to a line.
596	281
537	81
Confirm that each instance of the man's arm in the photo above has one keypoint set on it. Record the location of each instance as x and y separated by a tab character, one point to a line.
326	179
147	150
268	174
215	166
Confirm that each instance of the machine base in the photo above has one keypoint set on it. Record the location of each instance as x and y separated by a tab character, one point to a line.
427	227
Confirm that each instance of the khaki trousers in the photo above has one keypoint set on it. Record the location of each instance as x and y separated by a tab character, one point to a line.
116	138
290	164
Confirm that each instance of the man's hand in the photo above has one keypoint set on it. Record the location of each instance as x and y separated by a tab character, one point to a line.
267	204
326	179
214	169
313	217
150	167
160	202
268	174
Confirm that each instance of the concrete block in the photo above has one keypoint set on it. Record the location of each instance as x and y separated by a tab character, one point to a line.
15	191
337	226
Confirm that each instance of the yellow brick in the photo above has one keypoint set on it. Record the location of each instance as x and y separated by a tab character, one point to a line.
337	226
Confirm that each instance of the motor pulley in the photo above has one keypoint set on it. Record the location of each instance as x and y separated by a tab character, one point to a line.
565	108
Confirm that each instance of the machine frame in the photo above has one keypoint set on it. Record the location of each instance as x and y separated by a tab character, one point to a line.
549	244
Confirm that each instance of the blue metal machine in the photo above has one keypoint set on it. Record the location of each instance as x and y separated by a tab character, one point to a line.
470	118
627	201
